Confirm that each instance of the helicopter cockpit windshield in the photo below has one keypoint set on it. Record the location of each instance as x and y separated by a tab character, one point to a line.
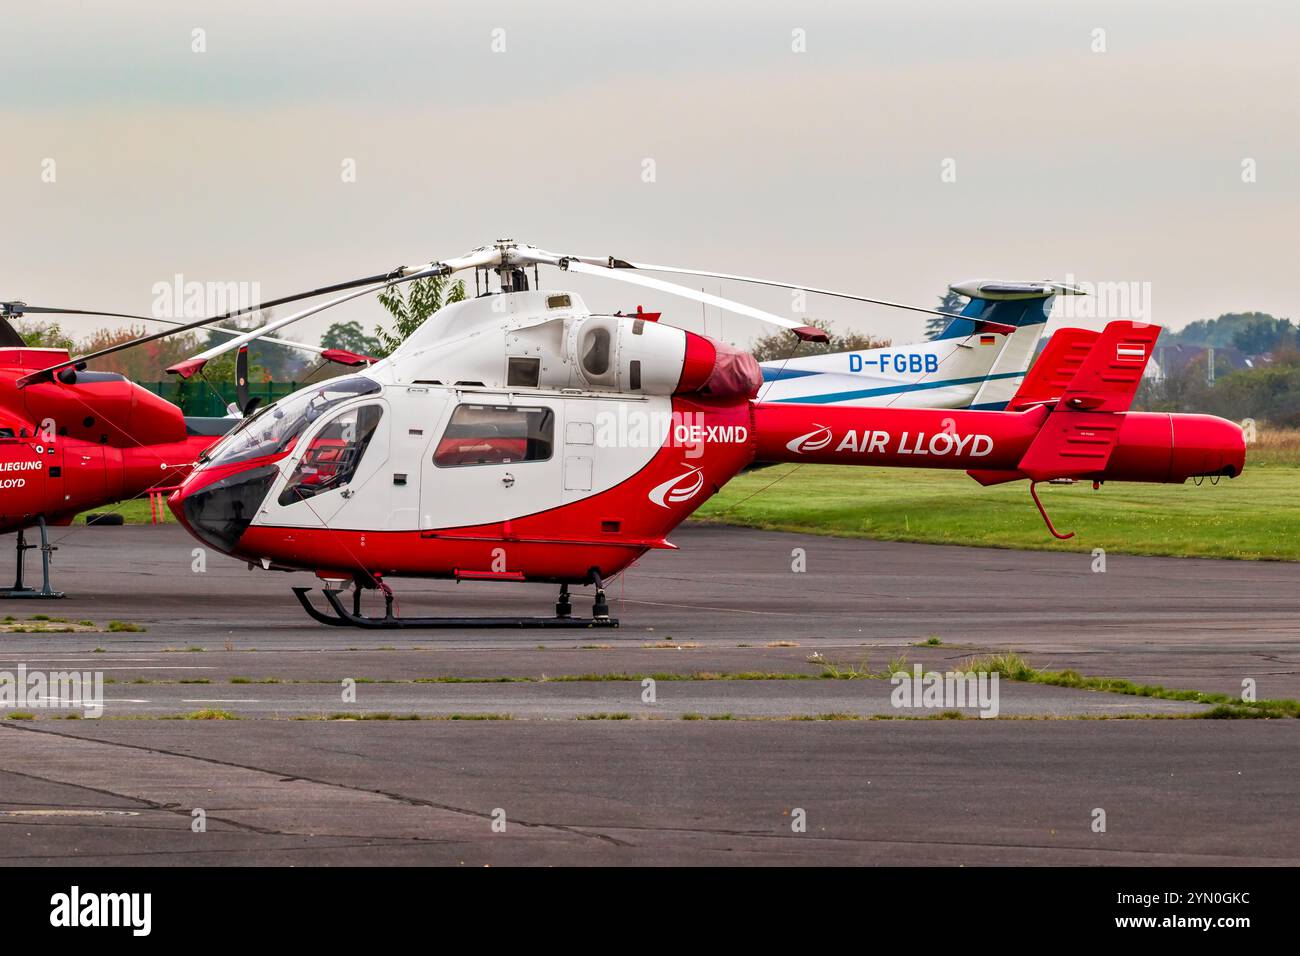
275	428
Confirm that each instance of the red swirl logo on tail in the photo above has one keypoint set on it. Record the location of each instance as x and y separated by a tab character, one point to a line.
676	490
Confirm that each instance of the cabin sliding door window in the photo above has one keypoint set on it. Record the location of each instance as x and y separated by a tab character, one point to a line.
496	435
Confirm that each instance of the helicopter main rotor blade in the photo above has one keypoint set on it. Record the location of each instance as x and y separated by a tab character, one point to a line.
16	310
806	333
191	366
477	258
613	263
47	374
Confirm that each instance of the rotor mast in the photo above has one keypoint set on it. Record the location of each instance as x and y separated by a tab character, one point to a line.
512	271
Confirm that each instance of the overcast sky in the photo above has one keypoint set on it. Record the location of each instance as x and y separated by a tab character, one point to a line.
821	167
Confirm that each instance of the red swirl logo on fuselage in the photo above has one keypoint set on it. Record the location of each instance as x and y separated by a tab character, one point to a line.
676	490
813	441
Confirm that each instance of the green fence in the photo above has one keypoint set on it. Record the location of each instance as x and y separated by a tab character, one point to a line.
206	400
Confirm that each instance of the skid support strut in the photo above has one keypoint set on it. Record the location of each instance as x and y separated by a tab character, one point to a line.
20	588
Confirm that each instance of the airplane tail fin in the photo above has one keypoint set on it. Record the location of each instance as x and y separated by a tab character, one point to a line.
1016	313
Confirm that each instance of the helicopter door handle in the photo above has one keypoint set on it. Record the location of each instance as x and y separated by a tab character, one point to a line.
348	492
508	480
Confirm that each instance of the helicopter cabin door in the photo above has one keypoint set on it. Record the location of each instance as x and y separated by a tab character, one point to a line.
496	459
337	478
579	447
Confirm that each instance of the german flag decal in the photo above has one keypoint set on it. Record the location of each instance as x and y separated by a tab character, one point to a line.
988	339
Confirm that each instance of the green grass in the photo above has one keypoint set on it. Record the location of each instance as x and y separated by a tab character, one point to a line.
210	713
135	511
116	627
486	716
357	715
1251	517
1014	667
833	715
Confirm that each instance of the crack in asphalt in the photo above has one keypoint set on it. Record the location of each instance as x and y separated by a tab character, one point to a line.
387	794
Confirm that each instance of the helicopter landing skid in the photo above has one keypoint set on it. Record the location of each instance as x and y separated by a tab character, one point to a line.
342	617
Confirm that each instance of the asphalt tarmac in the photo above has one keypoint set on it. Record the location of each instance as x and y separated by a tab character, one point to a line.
736	750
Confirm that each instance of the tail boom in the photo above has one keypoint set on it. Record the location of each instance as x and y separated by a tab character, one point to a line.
1035	444
893	437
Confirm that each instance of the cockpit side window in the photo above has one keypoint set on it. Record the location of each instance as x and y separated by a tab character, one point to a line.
331	460
276	428
496	435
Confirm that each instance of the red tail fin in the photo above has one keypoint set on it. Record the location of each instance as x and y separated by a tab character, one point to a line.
1109	377
1055	369
1079	436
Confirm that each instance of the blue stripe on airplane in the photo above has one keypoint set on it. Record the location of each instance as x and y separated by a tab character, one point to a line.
834	397
779	374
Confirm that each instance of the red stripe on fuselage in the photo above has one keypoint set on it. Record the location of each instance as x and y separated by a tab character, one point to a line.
607	530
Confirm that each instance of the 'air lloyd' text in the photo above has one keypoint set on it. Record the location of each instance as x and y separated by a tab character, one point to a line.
940	443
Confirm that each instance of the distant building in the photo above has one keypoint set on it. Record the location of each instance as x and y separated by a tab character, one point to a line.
1174	359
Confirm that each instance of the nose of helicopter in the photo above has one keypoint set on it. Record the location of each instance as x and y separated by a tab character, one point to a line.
217	508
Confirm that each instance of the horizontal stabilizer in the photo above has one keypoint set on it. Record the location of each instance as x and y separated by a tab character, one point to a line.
1071	445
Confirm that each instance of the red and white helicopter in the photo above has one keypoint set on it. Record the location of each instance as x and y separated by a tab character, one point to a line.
517	436
83	439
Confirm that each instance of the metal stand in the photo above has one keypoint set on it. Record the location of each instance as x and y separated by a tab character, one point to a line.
20	589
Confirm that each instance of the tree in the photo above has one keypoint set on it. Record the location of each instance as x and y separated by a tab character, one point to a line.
280	363
350	337
950	302
410	309
1252	332
222	368
1261	333
144	363
45	335
1266	393
781	345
